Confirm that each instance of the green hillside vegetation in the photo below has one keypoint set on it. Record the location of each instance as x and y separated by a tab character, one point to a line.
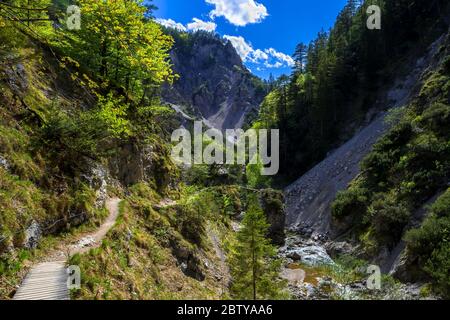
64	109
338	75
409	166
75	101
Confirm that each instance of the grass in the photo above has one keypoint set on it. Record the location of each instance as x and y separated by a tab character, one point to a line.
137	258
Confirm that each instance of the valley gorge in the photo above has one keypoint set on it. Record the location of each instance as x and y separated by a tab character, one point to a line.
87	178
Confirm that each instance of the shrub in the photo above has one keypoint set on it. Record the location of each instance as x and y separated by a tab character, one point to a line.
434	230
378	164
68	139
438	267
351	202
437	118
431	243
389	217
191	223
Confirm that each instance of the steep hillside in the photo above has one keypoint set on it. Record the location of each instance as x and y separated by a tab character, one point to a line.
76	131
381	198
308	200
401	196
338	84
363	122
213	83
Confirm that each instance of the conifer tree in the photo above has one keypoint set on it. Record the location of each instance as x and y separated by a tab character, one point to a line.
254	267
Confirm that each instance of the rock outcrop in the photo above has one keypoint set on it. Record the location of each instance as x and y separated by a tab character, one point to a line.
214	84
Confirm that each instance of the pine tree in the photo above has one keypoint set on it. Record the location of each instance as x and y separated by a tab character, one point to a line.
300	54
254	267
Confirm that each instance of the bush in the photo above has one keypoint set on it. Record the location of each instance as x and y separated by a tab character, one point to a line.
191	219
431	243
389	217
197	175
68	139
437	118
378	164
351	202
438	267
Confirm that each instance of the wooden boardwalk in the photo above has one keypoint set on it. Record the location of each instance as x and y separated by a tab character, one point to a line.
46	281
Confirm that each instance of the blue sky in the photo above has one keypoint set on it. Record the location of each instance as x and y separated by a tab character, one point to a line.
264	32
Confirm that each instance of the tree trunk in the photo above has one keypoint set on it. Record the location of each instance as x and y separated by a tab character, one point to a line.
253	266
103	53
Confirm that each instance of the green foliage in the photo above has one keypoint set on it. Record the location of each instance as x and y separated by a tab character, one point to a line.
431	243
337	76
254	177
191	219
112	113
438	267
120	45
351	202
406	168
68	140
253	263
388	217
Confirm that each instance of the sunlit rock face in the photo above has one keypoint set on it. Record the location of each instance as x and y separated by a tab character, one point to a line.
214	84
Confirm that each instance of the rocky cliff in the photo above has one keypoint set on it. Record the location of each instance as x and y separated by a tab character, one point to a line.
213	85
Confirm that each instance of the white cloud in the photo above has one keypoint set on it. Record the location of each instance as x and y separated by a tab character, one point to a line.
195	25
239	12
275	65
270	58
281	56
169	23
198	24
258	54
242	47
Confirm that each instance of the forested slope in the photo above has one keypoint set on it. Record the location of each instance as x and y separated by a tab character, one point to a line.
339	77
335	136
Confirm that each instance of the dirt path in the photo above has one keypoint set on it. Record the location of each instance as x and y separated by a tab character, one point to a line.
94	240
48	280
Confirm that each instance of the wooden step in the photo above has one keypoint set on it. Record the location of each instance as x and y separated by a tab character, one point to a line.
46	281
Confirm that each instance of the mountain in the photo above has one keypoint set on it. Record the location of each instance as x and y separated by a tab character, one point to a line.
213	85
87	178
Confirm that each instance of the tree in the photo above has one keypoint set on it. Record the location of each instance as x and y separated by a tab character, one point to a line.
254	267
120	45
300	54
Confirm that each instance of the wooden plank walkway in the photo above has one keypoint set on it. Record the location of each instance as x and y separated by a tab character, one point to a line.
46	281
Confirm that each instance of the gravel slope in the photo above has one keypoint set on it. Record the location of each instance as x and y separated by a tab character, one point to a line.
308	200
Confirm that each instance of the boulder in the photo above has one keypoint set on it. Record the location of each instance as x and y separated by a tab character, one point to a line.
4	163
339	248
32	235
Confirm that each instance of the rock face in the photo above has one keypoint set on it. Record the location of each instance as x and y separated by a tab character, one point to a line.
97	178
4	163
134	163
214	84
32	235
